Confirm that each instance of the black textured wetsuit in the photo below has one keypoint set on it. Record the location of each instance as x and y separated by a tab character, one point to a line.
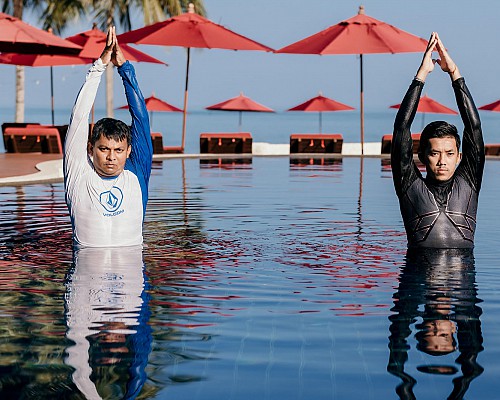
438	214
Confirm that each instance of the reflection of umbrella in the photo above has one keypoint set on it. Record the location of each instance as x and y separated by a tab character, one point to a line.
20	37
495	106
360	34
155	104
91	50
240	103
320	104
429	106
190	30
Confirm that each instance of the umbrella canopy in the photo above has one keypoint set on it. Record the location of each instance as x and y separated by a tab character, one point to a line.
20	37
90	45
320	104
155	104
92	41
190	30
360	34
495	106
427	105
240	103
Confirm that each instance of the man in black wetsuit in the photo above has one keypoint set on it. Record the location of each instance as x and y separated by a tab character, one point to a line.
439	210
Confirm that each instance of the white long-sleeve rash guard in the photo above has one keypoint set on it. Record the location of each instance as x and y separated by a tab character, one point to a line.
107	211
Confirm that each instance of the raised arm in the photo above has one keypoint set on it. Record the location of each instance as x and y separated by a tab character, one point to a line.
472	164
75	147
404	170
141	157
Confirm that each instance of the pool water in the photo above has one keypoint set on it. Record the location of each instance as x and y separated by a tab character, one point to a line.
264	278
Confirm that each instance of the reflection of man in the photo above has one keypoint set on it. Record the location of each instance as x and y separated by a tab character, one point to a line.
440	210
437	290
106	317
106	175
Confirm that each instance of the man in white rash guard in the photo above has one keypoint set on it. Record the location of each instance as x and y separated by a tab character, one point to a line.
106	175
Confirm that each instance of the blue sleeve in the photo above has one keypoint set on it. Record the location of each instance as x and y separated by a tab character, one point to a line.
141	157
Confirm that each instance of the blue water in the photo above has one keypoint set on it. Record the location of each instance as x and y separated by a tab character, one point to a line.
268	127
266	278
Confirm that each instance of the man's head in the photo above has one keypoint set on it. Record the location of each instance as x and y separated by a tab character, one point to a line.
439	150
109	146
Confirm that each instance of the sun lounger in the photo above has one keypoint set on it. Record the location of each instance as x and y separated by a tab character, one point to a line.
226	143
387	143
32	139
492	149
158	147
316	143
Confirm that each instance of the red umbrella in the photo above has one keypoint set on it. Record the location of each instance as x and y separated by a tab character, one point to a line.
155	104
190	30
90	50
240	103
426	105
360	34
495	106
92	41
320	104
20	37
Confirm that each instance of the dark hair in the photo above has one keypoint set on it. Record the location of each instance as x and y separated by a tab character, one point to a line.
437	129
111	128
421	337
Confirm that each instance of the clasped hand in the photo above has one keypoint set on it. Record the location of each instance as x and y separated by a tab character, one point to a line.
112	51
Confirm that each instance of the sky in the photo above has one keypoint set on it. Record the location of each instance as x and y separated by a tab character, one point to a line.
470	31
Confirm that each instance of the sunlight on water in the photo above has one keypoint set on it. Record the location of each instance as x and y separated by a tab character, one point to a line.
260	278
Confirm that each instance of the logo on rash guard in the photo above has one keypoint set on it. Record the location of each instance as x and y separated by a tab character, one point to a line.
111	200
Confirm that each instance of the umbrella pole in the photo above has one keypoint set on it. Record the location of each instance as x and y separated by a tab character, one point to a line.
184	112
52	92
361	106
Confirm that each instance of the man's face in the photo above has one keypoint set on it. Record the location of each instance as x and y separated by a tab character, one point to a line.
109	156
441	158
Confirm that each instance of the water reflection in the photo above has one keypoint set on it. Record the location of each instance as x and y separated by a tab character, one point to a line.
437	301
107	321
326	163
226	163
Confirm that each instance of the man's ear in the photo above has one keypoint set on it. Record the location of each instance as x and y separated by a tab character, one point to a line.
459	157
129	150
90	149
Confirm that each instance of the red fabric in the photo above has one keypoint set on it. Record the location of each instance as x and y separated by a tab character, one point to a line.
321	103
240	103
92	42
155	104
428	105
495	106
20	37
191	30
360	34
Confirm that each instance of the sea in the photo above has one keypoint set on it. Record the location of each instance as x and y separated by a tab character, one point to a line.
266	127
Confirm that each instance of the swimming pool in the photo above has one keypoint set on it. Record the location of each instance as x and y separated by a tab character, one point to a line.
261	278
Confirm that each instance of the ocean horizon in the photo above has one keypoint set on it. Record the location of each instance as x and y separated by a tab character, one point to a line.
266	127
